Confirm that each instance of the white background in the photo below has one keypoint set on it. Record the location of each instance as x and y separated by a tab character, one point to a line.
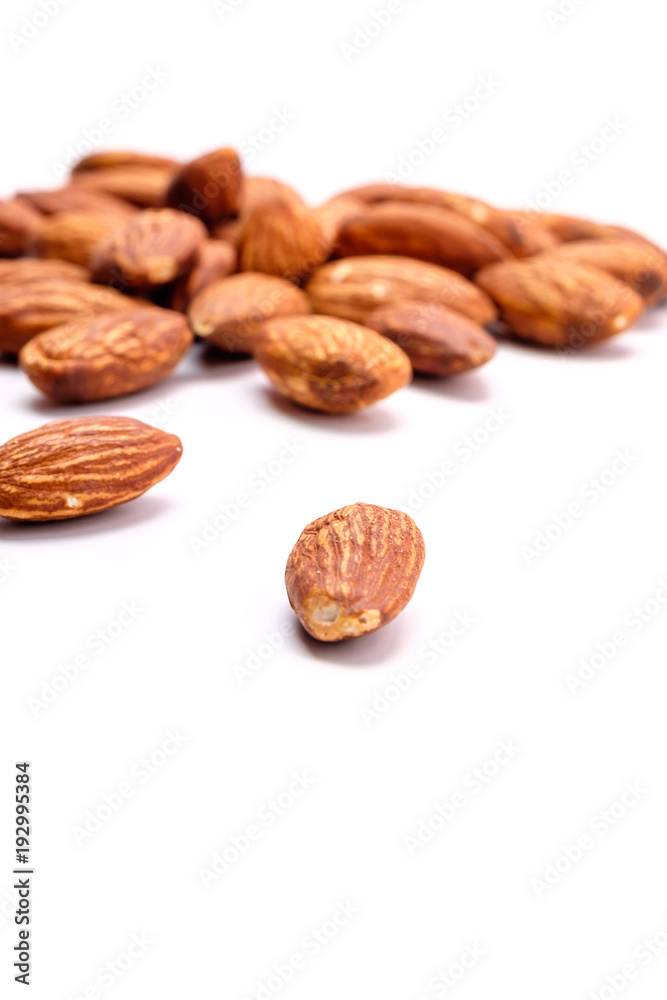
354	117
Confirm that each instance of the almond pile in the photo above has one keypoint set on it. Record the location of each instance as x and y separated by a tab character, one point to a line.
106	282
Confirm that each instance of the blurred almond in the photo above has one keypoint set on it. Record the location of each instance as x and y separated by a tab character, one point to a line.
123	158
282	237
18	222
24	270
73	236
209	187
637	263
75	198
143	186
215	259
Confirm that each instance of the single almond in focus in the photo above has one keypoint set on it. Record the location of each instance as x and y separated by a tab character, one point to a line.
73	236
154	248
31	307
352	288
123	158
353	570
330	364
106	356
635	262
24	270
437	340
18	222
209	187
228	313
145	187
282	237
73	467
424	232
553	301
215	259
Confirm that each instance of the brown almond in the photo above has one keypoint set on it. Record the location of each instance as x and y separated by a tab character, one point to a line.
26	270
73	236
353	570
18	222
560	302
145	187
31	307
154	248
75	198
352	288
73	467
571	227
260	189
106	356
123	158
437	235
229	312
215	259
209	187
284	238
334	213
330	364
437	340
636	262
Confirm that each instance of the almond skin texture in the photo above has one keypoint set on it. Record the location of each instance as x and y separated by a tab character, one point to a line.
284	238
637	263
18	222
352	288
210	187
145	187
560	302
123	158
353	570
152	249
229	312
570	227
75	198
73	467
437	340
29	308
330	364
106	356
433	234
215	259
24	270
73	236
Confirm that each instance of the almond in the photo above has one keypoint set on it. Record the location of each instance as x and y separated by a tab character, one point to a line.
284	238
353	570
154	248
145	187
24	270
73	467
636	262
75	198
209	187
30	307
432	234
555	301
354	287
215	259
228	313
123	158
334	213
437	340
571	227
73	236
106	356
260	189
330	364
18	222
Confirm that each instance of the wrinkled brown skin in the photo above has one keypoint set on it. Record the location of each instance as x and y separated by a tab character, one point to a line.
26	270
437	340
145	187
215	259
31	307
520	232
560	302
355	286
69	468
281	237
154	248
424	232
353	570
73	236
75	198
635	262
210	187
229	312
106	356
329	364
18	222
123	158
